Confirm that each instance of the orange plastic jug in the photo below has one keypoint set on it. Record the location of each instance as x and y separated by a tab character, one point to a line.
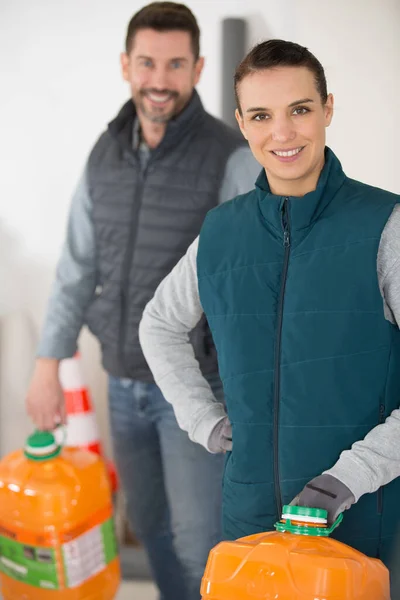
57	539
296	562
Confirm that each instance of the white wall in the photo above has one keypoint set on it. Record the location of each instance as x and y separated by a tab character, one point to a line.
60	85
358	42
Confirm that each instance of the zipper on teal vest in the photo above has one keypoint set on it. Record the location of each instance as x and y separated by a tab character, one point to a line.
278	343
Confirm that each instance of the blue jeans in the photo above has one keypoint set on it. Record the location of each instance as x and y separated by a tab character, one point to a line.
172	485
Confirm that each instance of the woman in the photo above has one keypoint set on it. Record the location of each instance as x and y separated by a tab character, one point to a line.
298	281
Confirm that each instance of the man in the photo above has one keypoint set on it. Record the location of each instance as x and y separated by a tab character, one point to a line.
299	280
150	179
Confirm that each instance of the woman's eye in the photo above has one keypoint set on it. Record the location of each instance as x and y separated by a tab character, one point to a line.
300	110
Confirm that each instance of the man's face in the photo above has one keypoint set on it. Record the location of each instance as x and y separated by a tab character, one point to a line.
284	121
162	72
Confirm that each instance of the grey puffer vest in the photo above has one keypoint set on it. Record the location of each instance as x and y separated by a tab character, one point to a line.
144	223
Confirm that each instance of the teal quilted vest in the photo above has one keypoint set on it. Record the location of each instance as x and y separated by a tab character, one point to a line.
308	361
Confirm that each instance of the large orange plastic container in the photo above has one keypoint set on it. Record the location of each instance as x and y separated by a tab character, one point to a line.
297	562
57	539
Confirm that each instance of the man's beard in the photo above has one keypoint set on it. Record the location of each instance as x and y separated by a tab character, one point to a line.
155	114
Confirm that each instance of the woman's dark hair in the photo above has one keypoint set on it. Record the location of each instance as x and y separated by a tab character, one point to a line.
164	16
279	53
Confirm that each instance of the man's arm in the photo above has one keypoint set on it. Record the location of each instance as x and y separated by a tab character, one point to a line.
72	292
75	281
164	336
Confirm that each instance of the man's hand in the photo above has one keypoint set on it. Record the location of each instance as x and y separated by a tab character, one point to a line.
220	439
45	402
326	492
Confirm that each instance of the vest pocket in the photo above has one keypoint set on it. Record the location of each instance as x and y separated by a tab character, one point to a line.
98	313
227	457
248	507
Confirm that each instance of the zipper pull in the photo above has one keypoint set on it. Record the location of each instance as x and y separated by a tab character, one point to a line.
285	223
286	239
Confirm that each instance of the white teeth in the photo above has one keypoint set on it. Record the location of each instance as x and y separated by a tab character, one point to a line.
289	153
159	99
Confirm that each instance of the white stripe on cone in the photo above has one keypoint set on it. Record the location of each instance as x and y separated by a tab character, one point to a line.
82	430
70	373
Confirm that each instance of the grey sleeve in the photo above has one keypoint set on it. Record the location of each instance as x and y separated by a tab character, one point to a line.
389	267
241	172
74	283
372	462
164	336
375	461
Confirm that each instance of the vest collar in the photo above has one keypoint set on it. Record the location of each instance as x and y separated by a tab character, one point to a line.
303	210
192	115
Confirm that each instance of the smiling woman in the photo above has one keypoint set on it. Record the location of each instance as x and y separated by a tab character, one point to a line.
299	282
283	111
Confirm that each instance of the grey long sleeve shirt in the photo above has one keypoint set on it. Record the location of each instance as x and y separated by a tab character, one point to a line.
175	310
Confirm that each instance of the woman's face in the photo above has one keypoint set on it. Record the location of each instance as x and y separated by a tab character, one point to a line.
284	121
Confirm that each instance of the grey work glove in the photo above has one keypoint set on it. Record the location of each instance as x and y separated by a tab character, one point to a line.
325	491
220	439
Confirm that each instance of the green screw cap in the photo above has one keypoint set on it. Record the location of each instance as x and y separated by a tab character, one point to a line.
41	445
312	521
303	511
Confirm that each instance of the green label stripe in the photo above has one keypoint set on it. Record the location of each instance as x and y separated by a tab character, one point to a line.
109	540
30	564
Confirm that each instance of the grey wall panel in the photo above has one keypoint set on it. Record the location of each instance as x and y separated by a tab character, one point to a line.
234	33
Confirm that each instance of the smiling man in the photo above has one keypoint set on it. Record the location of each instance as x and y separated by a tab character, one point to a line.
299	280
162	163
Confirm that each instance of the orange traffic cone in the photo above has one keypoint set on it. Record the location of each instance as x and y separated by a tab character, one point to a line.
81	429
